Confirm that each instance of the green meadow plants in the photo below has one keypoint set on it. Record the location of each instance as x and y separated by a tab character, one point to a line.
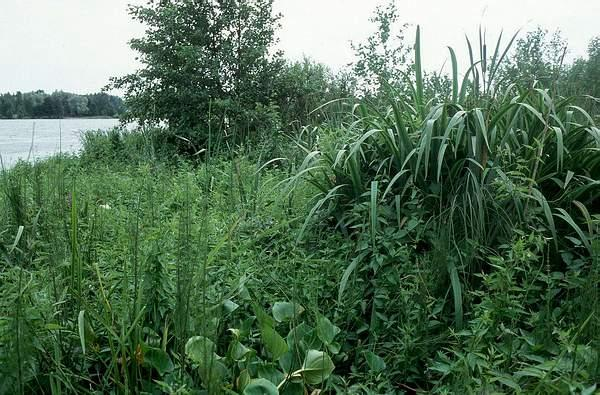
441	239
525	333
122	289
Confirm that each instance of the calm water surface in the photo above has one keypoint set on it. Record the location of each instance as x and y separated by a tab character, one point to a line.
49	136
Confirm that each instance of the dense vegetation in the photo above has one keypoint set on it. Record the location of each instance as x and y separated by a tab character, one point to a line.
381	230
40	104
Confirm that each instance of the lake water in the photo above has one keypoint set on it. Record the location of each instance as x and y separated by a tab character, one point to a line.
49	136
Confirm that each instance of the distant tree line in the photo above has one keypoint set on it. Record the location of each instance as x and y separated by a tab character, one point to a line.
58	104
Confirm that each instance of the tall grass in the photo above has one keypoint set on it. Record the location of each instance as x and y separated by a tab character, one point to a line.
538	149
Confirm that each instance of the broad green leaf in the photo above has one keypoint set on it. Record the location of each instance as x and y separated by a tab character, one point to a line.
297	334
317	367
201	350
239	351
441	367
291	388
230	306
326	331
159	360
287	362
263	318
375	362
285	311
274	343
243	380
530	372
261	387
269	372
334	347
589	390
509	382
212	376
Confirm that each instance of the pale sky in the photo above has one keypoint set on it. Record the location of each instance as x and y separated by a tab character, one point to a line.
76	45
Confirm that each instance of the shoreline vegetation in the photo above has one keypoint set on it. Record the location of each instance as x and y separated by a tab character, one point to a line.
278	228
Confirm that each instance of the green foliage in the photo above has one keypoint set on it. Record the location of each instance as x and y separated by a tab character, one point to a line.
429	189
284	311
441	236
455	157
303	88
206	66
537	59
137	146
251	371
521	335
101	288
583	77
383	59
260	387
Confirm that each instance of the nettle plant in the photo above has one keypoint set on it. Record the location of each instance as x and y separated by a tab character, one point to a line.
259	360
530	329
